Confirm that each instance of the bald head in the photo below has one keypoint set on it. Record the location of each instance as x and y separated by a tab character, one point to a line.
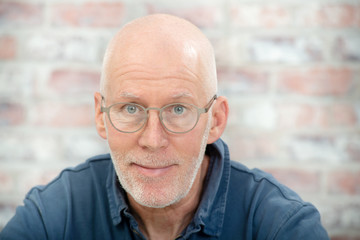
160	42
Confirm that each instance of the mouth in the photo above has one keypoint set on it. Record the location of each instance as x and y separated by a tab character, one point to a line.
151	171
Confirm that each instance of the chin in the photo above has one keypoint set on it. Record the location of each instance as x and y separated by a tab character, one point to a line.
159	193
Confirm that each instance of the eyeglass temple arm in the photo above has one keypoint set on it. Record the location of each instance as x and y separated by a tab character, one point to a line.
102	108
207	107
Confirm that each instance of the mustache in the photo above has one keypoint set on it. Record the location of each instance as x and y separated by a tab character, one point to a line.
150	160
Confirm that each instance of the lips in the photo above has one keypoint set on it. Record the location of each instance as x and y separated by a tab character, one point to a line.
150	171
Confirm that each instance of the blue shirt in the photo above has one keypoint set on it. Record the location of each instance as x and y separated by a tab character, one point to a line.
87	202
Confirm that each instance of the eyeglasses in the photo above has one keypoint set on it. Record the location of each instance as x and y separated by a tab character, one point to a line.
176	117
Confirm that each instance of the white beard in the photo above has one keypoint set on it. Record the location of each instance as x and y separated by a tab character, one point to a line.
179	187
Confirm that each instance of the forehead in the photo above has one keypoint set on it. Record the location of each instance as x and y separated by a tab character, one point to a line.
154	84
156	70
179	95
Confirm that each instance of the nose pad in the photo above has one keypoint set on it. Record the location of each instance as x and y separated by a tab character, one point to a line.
154	118
154	135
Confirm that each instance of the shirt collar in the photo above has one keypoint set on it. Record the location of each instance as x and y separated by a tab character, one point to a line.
116	196
211	211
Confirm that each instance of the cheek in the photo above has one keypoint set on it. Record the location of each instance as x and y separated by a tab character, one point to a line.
120	142
189	143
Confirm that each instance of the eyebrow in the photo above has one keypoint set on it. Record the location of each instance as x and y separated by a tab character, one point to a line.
130	95
182	95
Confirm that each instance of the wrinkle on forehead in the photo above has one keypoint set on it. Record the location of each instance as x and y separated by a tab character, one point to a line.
135	96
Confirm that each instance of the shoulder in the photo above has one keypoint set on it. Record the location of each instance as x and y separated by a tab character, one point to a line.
258	181
270	206
95	167
261	190
53	210
74	185
72	195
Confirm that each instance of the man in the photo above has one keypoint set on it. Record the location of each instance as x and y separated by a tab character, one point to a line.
169	175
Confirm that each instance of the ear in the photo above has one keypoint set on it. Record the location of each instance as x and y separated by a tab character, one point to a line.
99	116
220	114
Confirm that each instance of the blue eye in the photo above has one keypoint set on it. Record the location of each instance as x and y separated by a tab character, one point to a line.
179	110
131	109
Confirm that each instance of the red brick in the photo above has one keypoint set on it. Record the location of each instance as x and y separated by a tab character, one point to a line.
317	81
244	81
94	14
74	82
301	181
7	47
330	15
260	16
344	182
353	148
204	16
292	115
6	182
20	14
343	115
11	114
251	147
64	115
344	237
341	15
319	116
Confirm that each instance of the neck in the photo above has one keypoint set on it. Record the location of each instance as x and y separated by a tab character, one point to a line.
169	222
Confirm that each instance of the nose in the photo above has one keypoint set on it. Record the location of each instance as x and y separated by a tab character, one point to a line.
153	135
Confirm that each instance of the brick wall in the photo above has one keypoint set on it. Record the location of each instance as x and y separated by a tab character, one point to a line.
291	71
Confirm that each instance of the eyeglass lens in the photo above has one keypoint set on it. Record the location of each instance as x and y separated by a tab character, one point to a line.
128	117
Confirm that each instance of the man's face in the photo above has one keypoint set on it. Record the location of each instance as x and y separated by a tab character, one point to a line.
156	167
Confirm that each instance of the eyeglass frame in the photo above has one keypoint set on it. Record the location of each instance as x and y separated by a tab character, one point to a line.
199	112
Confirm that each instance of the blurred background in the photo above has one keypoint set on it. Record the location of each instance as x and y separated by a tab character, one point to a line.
290	69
